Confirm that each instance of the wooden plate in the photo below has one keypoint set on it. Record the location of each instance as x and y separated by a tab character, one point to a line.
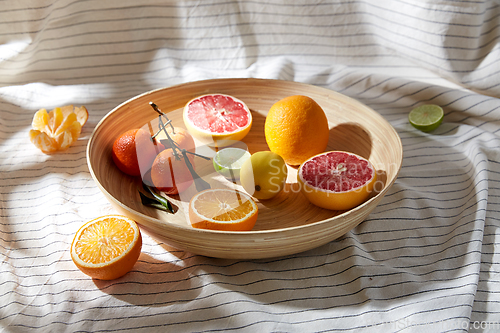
288	223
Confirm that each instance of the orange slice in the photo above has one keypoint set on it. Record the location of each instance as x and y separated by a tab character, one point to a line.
223	209
107	247
57	129
337	180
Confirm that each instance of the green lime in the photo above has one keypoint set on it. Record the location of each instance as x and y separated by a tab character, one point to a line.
426	117
228	161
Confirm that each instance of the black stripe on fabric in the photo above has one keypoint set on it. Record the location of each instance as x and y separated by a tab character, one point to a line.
232	315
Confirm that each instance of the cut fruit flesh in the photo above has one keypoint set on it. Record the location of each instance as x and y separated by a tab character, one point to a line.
217	119
57	129
223	209
228	161
337	180
426	118
107	247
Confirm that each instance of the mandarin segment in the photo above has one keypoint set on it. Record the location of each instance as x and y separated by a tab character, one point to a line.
81	112
40	120
57	129
42	141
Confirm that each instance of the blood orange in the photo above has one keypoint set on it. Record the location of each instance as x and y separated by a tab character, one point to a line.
217	119
337	180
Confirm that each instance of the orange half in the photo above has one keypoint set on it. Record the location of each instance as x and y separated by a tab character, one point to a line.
107	247
223	209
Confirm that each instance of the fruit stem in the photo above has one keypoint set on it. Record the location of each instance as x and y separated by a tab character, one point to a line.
157	109
162	125
198	181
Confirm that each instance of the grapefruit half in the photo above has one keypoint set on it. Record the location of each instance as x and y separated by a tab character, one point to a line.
217	119
337	180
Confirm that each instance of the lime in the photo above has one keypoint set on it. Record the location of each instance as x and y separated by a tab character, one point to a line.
228	161
426	117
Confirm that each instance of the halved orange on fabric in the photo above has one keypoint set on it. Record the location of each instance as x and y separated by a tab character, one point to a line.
223	209
57	129
107	247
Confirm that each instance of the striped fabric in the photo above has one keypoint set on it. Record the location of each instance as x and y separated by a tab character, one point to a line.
426	260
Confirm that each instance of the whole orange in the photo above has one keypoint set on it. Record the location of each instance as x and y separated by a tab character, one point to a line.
170	173
296	128
134	151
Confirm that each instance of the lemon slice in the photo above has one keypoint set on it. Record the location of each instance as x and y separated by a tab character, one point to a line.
426	117
228	162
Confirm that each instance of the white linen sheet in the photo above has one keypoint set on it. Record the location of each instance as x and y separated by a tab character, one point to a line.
427	259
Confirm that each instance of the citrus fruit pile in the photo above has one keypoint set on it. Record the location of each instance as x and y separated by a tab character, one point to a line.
163	166
297	133
58	129
107	247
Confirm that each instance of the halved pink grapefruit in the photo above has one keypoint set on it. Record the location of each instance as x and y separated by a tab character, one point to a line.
337	180
217	119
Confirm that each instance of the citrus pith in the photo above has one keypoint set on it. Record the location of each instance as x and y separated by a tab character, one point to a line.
337	180
107	247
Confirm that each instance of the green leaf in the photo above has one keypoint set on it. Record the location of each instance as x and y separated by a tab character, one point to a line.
157	201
